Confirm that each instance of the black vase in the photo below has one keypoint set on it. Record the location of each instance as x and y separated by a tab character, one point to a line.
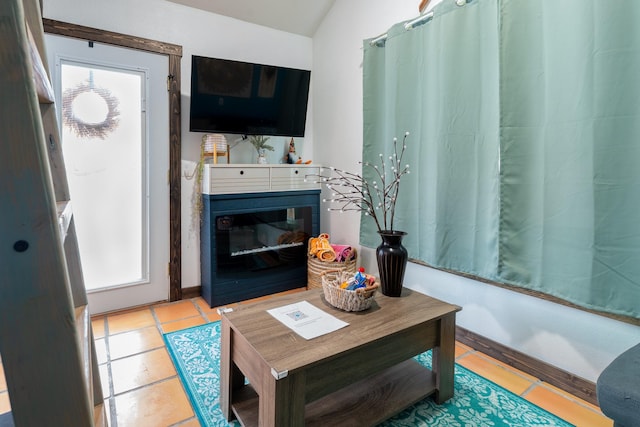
392	261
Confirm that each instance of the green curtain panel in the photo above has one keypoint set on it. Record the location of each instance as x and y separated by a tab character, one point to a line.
523	117
438	81
570	146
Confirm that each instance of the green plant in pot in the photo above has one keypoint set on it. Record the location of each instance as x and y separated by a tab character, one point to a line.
377	199
259	142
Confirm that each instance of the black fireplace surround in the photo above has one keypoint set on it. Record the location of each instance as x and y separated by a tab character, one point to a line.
255	244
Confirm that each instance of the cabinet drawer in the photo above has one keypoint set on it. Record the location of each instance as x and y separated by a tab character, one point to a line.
294	178
224	180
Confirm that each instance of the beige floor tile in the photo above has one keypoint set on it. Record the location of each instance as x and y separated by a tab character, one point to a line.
161	404
496	373
133	342
5	405
128	321
210	313
183	324
462	349
508	367
213	316
140	370
175	311
203	305
200	302
569	396
567	408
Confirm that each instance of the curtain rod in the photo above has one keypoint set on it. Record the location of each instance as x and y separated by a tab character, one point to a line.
379	40
422	19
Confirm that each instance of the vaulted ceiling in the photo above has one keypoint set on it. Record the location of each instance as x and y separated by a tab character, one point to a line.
294	16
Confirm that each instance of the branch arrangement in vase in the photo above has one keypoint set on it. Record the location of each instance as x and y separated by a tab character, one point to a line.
376	198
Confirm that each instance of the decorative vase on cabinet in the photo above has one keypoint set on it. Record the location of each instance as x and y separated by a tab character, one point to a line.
262	157
392	261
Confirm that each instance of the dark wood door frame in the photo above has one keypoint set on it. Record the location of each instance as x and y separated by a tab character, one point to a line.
174	52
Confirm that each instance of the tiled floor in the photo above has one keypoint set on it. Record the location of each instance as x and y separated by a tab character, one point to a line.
141	387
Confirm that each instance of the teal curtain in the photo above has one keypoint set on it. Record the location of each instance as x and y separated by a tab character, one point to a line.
570	146
439	82
524	144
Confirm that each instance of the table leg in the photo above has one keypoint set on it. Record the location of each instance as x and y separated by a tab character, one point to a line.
443	362
228	371
282	401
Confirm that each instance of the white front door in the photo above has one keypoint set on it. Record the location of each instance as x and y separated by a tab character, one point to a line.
113	114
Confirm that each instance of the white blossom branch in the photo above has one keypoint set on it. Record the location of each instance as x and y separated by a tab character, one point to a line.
353	193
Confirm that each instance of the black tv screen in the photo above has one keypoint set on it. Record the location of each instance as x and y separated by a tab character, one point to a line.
249	99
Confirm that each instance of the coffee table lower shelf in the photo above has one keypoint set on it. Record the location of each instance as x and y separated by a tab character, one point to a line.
364	403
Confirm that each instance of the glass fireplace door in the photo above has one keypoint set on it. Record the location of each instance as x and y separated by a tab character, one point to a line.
248	244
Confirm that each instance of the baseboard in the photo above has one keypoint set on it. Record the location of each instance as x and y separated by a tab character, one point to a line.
579	387
192	292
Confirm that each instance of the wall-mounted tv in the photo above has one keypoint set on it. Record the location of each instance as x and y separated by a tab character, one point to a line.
249	99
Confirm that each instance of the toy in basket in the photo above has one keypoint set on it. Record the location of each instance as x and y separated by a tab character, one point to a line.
349	292
324	256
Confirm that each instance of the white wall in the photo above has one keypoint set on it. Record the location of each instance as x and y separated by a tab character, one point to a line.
570	339
205	34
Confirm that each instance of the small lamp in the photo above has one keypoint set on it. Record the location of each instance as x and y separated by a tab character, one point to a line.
215	145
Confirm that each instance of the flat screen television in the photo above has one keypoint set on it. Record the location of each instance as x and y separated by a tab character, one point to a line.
249	99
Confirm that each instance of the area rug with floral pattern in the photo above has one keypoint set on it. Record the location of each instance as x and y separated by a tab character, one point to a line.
477	401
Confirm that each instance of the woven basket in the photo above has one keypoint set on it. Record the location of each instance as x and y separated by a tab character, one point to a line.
344	299
315	268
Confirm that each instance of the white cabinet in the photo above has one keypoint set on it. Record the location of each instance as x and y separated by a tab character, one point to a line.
294	178
236	179
230	179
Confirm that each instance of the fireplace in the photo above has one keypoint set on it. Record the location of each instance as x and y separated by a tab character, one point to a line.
255	244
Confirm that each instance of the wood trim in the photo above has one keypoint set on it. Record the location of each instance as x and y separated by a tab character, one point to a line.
174	52
577	386
175	219
52	26
192	292
532	293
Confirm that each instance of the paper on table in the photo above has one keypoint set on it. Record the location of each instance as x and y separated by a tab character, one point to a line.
307	320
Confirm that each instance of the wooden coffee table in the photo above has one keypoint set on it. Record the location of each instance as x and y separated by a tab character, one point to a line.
359	375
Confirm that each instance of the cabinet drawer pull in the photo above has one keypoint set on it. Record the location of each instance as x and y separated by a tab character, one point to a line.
296	172
241	172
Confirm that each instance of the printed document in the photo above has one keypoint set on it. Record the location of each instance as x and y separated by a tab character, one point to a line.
307	320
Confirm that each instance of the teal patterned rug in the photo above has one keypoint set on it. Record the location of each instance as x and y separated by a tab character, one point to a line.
476	402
